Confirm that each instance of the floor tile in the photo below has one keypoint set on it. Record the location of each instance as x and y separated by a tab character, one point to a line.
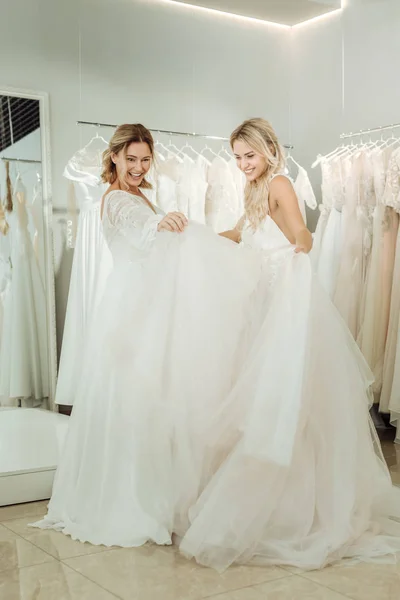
18	511
54	542
52	581
163	574
246	594
361	582
297	588
395	475
16	552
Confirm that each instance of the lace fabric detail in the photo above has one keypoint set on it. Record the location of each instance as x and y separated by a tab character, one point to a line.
392	190
304	189
129	220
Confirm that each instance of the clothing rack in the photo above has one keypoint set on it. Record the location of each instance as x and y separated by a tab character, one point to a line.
366	131
23	160
167	132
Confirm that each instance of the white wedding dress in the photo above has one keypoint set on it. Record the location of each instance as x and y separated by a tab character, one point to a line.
304	482
159	359
90	268
24	347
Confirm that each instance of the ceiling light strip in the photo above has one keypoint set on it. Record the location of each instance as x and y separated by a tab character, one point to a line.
319	18
234	16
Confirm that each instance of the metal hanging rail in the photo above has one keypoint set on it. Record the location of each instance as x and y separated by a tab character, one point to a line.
22	160
167	132
366	131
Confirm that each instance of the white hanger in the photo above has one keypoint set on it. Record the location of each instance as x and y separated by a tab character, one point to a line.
174	150
289	156
336	152
158	144
99	137
206	147
188	147
393	141
224	150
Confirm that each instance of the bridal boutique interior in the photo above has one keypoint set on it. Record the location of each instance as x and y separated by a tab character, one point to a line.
323	73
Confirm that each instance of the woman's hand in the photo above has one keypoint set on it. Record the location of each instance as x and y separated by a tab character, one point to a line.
173	221
304	242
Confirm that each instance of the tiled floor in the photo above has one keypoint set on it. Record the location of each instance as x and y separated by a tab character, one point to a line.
46	565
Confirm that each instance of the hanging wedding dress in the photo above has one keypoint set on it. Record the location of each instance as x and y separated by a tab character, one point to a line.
36	211
301	485
239	180
223	209
330	244
378	285
5	269
24	347
390	397
90	268
163	178
159	359
304	191
350	274
325	208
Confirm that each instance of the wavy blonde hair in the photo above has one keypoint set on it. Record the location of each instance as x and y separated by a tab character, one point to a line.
261	137
123	136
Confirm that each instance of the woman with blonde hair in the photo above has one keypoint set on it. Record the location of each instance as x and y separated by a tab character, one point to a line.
304	482
159	357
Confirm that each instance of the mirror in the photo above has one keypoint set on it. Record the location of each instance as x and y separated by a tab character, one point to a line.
27	352
29	429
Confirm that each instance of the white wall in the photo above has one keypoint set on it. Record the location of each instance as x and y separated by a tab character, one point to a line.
344	76
175	67
170	67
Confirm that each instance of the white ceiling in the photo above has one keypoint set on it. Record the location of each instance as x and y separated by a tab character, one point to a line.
285	12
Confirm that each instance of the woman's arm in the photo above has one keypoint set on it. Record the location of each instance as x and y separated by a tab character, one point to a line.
235	234
131	219
283	195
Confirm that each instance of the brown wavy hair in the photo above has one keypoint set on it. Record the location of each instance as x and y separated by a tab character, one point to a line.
123	136
261	137
9	196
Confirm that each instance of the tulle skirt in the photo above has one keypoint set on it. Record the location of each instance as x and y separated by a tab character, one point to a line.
161	356
304	482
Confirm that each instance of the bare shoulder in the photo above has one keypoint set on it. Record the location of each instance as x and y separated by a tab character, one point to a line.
280	185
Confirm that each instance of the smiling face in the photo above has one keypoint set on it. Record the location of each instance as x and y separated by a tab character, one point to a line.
250	162
133	163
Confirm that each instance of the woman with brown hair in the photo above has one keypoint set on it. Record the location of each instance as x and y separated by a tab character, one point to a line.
159	357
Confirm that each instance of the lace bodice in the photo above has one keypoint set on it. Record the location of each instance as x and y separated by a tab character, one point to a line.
391	195
272	243
129	225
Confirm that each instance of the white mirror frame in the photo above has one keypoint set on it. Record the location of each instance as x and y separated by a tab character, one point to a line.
43	98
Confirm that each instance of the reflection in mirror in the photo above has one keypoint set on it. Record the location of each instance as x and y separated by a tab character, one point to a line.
29	436
24	376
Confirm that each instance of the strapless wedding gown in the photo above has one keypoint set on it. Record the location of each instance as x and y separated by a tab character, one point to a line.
304	482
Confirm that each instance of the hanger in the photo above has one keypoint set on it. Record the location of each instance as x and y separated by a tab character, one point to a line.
290	157
393	141
95	141
187	146
206	147
99	137
159	144
322	157
172	149
224	150
336	152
